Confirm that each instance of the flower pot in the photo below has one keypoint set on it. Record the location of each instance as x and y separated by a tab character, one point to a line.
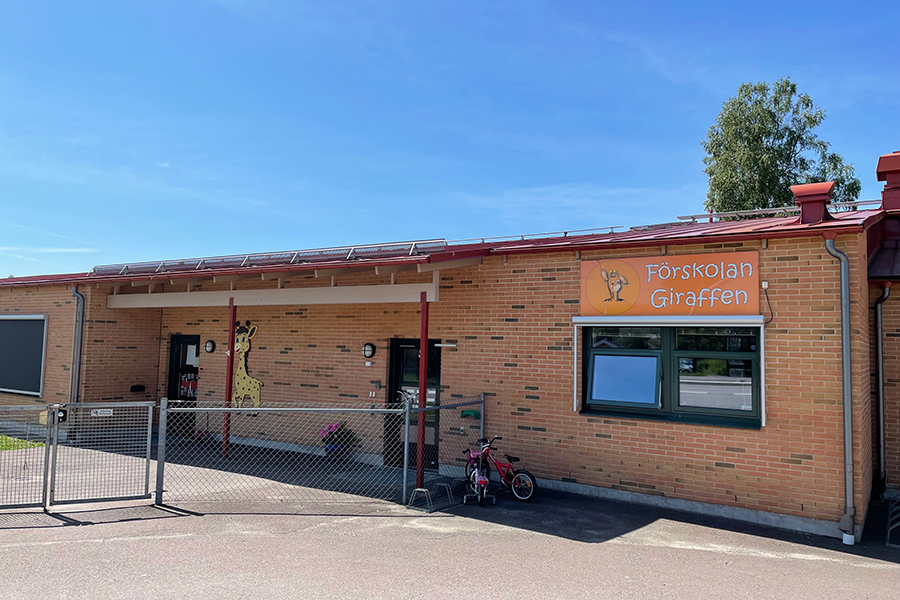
334	452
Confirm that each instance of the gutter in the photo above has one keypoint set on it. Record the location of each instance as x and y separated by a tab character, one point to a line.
879	371
849	517
77	335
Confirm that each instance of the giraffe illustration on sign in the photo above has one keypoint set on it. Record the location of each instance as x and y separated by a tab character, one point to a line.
244	385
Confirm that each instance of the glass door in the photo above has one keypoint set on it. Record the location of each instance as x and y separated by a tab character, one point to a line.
404	380
184	374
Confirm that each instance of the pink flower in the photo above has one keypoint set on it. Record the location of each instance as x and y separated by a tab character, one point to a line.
323	433
333	427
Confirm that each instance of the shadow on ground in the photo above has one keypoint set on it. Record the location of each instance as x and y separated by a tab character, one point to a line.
309	487
595	520
579	518
35	519
196	472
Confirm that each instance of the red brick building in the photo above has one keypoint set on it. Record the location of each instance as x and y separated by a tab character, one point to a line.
695	364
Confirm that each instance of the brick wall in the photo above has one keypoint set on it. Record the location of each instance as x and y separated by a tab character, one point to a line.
862	349
520	349
511	321
891	312
59	305
121	350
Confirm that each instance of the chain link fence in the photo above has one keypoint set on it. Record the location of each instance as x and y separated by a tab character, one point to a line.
323	455
314	455
457	427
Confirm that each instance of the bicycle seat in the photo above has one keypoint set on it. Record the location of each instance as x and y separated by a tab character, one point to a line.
512	459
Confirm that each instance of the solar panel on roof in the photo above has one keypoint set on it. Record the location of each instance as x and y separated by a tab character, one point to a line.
387	250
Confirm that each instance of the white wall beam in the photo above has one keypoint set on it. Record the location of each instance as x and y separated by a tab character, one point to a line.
448	264
393	269
337	272
360	294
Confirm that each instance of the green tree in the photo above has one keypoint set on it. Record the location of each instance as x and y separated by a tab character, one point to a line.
762	143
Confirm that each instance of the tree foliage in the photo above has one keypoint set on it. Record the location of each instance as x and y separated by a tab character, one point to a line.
762	143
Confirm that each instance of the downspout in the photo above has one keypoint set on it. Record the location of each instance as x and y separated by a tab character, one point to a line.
77	334
849	517
879	370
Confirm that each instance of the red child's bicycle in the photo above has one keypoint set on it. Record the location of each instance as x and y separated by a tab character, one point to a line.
478	473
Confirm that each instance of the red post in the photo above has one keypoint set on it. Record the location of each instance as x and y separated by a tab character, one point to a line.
423	393
229	377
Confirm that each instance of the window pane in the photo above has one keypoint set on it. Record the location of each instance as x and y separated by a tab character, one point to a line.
21	354
715	383
409	370
624	379
632	338
708	339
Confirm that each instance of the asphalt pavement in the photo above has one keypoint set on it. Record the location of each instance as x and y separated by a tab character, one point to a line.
559	546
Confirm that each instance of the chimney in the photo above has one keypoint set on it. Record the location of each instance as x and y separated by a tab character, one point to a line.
811	198
888	170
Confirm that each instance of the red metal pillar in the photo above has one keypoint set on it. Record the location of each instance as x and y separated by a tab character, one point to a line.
423	393
229	377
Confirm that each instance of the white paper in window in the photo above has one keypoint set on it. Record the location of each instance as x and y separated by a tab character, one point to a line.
192	355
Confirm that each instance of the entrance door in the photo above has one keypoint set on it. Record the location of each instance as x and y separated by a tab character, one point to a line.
184	369
405	378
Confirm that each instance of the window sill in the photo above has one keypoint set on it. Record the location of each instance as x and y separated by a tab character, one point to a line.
689	418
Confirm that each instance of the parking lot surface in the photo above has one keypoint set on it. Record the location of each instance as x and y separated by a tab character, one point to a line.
559	546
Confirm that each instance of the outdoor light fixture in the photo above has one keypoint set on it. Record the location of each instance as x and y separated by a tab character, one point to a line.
368	350
210	346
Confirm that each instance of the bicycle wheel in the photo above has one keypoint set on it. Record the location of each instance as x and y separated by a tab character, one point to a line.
471	481
481	491
470	472
523	485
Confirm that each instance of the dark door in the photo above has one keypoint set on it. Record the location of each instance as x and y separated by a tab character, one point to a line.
184	370
404	377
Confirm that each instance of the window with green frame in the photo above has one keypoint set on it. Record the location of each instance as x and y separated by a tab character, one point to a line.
704	375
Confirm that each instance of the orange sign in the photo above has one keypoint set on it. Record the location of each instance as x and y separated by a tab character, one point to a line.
696	284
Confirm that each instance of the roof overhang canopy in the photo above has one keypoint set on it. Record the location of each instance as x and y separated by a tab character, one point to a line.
355	294
349	294
885	265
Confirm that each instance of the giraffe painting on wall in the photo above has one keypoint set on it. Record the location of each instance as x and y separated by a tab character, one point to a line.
244	384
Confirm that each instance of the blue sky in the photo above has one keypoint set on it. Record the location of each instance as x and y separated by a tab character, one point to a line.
137	131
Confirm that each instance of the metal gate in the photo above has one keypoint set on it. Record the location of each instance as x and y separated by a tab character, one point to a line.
101	451
74	453
24	450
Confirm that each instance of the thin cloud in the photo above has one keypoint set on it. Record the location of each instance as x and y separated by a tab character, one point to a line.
669	63
30	258
46	250
124	180
583	205
163	165
56	235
